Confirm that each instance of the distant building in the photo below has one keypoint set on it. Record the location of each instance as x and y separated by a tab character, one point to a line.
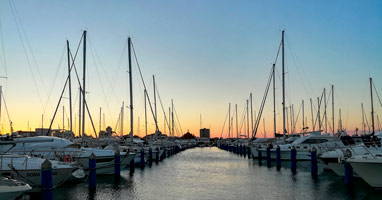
188	136
205	133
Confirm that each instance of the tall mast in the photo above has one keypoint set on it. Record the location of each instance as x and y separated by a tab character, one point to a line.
229	119
372	106
247	120
146	112
100	118
291	119
63	117
319	114
1	93
283	80
363	119
326	118
274	100
169	121
79	113
237	123
340	121
172	117
250	97
303	117
155	106
83	86
131	91
311	111
70	88
333	107
287	120
122	116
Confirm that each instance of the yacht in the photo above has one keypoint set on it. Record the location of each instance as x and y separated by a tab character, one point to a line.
11	188
64	150
303	145
368	167
28	169
361	146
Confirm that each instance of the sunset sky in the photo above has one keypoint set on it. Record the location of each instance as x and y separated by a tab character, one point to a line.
204	54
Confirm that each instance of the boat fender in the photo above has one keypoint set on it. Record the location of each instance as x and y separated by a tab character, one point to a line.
68	158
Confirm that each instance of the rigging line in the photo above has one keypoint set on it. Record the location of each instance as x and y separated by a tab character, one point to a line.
86	104
29	46
115	75
160	101
3	49
4	58
257	122
144	85
298	63
91	119
376	92
26	55
176	115
278	51
6	109
63	90
243	119
117	124
55	78
317	116
225	120
294	125
95	55
99	78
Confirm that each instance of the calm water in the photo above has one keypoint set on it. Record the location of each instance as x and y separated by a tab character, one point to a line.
211	173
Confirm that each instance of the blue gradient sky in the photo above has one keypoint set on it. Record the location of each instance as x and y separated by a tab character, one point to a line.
204	54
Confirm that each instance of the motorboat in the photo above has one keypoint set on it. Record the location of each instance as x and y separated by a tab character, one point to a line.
303	146
64	150
11	188
28	169
368	167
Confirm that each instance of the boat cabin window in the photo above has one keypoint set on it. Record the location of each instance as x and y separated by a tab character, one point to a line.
314	141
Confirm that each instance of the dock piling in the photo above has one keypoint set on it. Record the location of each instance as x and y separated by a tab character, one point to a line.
348	173
268	156
278	157
142	163
117	163
92	171
293	155
46	180
313	163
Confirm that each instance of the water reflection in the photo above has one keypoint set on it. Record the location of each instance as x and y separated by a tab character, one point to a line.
210	173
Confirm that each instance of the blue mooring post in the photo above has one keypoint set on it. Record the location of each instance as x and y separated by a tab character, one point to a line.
46	180
278	157
92	171
142	163
348	173
313	163
268	156
117	163
150	155
293	162
259	156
